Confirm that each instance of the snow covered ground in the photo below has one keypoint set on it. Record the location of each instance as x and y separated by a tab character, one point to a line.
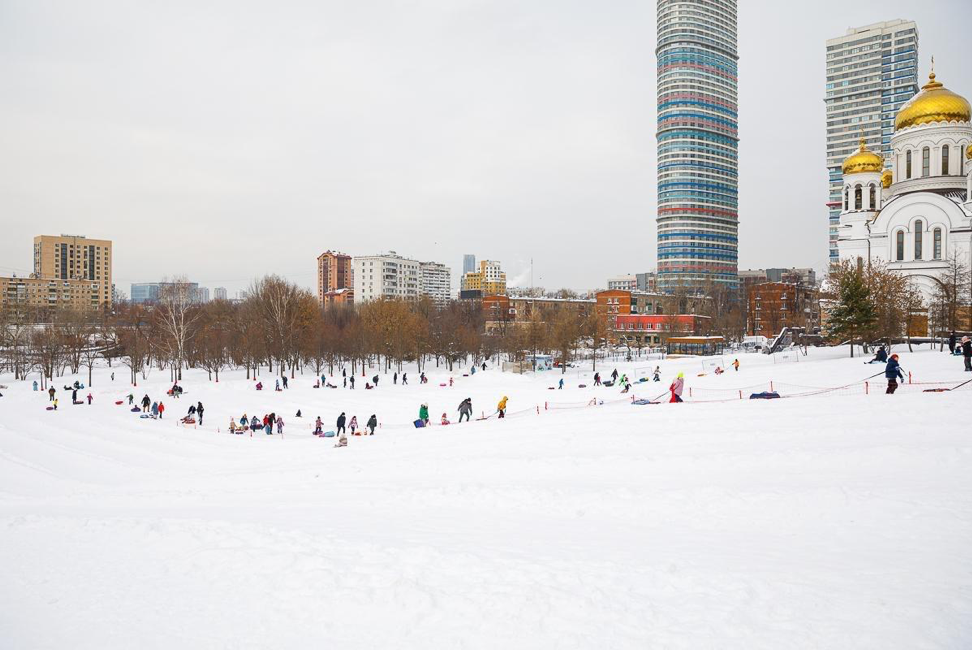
841	519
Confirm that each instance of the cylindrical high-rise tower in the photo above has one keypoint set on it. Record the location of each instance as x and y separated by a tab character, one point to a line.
697	144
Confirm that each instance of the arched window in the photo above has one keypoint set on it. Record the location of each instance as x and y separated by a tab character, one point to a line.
918	235
945	149
925	161
873	202
899	246
907	164
937	240
857	198
846	194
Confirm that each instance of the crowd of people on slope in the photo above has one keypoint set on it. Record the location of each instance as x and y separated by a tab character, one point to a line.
254	424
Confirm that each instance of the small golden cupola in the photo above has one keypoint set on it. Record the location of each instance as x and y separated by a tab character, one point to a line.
934	103
863	161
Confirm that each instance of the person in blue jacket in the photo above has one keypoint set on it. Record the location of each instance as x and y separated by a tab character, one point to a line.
892	372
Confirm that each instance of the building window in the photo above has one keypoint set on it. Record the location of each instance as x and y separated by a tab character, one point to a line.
918	226
925	161
857	198
873	202
907	164
937	239
945	149
899	246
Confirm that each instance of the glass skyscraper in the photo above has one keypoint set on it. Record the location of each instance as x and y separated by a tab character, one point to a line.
697	144
871	72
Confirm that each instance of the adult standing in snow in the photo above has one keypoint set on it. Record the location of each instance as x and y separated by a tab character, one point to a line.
465	409
676	388
501	407
352	382
51	391
35	385
145	403
199	411
967	353
372	424
374	380
404	379
951	342
285	381
597	379
424	414
892	372
340	422
74	396
155	409
484	366
560	384
395	378
614	375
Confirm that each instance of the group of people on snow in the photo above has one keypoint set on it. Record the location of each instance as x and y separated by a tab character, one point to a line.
255	424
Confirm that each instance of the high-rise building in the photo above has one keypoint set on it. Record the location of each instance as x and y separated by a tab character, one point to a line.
75	257
468	264
385	276
219	293
697	143
334	272
871	72
202	294
151	292
144	292
490	279
436	282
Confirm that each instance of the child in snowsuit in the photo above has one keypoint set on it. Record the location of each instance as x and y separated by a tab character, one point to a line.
353	424
676	388
280	424
892	372
501	407
657	374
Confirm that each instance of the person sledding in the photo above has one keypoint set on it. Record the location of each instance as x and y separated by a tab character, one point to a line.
342	440
501	407
465	409
318	426
881	356
892	372
676	388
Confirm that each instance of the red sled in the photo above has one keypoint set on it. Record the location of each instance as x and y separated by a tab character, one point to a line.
119	402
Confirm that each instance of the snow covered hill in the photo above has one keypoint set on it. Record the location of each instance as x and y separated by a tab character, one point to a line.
837	519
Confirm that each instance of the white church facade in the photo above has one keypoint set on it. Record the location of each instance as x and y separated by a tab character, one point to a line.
917	214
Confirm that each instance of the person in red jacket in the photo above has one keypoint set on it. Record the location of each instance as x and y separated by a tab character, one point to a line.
161	409
677	387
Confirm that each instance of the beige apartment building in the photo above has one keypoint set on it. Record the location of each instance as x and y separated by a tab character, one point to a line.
69	271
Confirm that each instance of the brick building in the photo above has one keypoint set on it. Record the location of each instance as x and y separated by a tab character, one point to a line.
775	305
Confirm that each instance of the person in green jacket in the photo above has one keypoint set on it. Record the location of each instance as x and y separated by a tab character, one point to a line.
424	414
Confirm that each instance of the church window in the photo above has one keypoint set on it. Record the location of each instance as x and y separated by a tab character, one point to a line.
899	245
873	202
907	164
918	235
945	149
857	198
846	194
925	160
937	239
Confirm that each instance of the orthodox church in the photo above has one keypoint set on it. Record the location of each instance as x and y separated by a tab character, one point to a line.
916	214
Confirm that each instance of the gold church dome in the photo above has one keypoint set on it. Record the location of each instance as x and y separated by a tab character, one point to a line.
886	178
863	160
934	103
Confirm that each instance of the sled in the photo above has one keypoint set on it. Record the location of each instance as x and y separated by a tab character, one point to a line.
119	402
49	408
765	395
329	434
146	416
607	383
642	402
135	409
187	420
419	424
582	385
936	390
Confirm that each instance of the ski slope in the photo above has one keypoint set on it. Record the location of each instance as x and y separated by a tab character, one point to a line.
839	519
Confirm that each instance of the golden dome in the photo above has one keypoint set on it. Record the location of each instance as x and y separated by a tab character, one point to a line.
968	152
886	178
934	103
863	160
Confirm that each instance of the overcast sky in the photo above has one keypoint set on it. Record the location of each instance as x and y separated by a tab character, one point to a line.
226	140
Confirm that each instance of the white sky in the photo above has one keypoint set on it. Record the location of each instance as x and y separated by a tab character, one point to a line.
226	140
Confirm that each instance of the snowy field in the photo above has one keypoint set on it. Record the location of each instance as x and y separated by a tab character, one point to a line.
827	519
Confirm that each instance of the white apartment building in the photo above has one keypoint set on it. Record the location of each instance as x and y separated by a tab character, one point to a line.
623	283
871	72
386	276
219	293
436	282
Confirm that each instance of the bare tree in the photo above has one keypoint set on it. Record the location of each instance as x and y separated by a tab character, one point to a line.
175	315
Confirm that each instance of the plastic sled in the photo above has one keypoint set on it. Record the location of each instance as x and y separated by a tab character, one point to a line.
643	402
765	395
419	424
442	385
146	416
607	383
119	402
49	408
582	385
329	434
135	409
